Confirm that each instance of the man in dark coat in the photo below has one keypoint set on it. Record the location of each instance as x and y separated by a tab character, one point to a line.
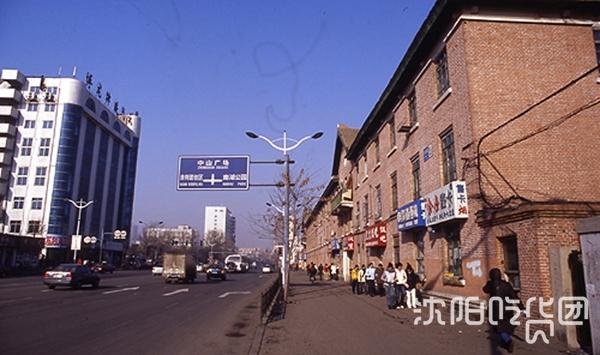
496	287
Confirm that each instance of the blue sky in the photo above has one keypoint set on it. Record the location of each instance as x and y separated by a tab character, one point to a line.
202	72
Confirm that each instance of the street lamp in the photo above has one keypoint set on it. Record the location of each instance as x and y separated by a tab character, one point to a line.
285	149
80	205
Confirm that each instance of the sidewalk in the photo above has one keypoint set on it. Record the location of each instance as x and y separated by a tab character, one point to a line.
326	318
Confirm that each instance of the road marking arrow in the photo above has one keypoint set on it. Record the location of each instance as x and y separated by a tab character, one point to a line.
234	293
176	292
121	290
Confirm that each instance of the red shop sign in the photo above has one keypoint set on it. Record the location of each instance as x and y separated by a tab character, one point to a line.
377	235
349	243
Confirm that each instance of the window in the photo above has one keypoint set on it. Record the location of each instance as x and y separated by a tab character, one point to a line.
49	107
34	227
365	209
104	116
412	108
91	104
22	175
377	155
52	89
18	203
392	127
35	89
15	227
448	160
443	79
394	183
32	107
26	144
596	33
416	169
117	126
29	124
366	166
40	176
511	260
454	254
47	124
378	201
36	203
420	252
44	147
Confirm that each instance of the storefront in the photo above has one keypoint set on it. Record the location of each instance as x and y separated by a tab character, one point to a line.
19	252
411	225
376	240
446	209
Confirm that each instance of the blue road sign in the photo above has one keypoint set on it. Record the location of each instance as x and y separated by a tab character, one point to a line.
206	173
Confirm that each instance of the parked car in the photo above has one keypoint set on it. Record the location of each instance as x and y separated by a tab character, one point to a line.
104	267
157	270
267	269
72	275
216	272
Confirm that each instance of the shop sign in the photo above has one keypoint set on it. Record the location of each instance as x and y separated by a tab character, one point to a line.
56	242
376	235
446	203
411	215
349	243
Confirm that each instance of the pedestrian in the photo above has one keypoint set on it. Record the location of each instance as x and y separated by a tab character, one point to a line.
389	283
326	271
354	279
370	278
320	270
362	281
401	285
312	270
501	323
333	272
412	281
379	281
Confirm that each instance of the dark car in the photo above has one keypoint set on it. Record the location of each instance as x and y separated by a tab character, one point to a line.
216	272
72	275
104	267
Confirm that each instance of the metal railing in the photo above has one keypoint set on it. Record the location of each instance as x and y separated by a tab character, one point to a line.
268	297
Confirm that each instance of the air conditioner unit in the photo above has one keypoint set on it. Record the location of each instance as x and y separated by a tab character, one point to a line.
31	96
49	97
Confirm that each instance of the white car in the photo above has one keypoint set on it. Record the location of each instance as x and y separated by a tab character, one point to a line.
157	270
267	269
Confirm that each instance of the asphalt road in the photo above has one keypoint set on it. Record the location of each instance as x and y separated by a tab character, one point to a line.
132	312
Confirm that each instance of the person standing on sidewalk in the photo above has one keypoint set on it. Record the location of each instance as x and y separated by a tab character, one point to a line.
401	285
320	270
412	280
496	287
389	283
354	279
379	280
362	281
370	278
333	272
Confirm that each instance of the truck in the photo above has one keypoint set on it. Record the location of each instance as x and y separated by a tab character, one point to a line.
179	266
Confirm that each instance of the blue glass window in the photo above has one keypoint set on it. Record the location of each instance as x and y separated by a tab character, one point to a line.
91	104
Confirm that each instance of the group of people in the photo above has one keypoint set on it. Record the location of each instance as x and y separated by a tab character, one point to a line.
329	271
398	284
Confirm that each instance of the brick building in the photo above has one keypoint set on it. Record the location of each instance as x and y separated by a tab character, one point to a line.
481	151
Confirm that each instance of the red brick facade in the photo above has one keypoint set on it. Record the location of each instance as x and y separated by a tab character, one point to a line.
528	176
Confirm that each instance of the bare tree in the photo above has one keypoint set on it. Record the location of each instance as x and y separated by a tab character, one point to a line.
303	195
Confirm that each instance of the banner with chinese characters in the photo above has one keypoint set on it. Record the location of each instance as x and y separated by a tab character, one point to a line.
53	241
349	245
376	235
411	215
446	203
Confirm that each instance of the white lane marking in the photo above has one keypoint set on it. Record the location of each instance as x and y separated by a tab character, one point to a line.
234	293
47	290
176	292
121	290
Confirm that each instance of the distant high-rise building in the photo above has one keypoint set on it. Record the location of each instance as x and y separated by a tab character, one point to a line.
220	219
61	138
